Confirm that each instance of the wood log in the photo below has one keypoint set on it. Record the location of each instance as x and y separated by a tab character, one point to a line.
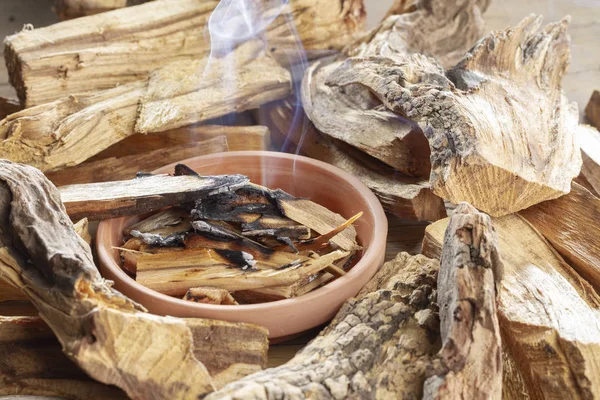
549	316
70	130
68	9
116	169
406	197
592	110
99	328
541	159
239	138
86	54
103	200
568	224
8	106
357	115
589	140
471	350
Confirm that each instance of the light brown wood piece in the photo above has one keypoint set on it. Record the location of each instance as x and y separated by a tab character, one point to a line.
209	295
363	353
103	200
569	224
239	138
589	140
540	159
592	110
404	196
471	350
99	328
86	54
8	106
116	169
549	315
67	9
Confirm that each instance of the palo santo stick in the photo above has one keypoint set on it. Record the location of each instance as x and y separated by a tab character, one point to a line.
116	169
112	199
209	295
97	326
238	138
569	224
86	54
175	275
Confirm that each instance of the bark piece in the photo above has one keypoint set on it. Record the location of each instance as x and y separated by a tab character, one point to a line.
589	139
209	295
116	169
406	197
67	9
379	345
239	138
542	155
86	54
113	199
568	224
592	110
549	316
8	106
99	328
471	350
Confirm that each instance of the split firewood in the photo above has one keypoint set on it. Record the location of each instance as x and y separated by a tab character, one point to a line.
67	9
542	158
471	350
85	54
99	328
238	138
70	130
209	295
406	197
357	115
115	169
103	200
592	110
33	364
541	300
589	140
568	223
8	106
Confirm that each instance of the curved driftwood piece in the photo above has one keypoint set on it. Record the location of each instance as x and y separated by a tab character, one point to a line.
468	113
471	351
549	316
404	196
568	223
105	333
354	114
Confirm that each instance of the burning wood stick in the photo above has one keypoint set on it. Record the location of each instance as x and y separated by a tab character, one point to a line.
238	138
407	197
592	110
98	327
541	300
112	199
115	169
568	224
527	177
86	54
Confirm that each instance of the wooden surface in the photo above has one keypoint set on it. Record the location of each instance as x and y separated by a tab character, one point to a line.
582	77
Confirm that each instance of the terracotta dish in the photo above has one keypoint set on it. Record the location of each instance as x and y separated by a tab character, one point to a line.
302	177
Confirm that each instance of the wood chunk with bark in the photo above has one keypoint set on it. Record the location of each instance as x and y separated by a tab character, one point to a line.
549	315
471	350
592	110
103	200
116	169
568	223
99	328
404	196
468	113
86	54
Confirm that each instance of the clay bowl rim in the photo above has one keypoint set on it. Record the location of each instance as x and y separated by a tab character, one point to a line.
369	255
